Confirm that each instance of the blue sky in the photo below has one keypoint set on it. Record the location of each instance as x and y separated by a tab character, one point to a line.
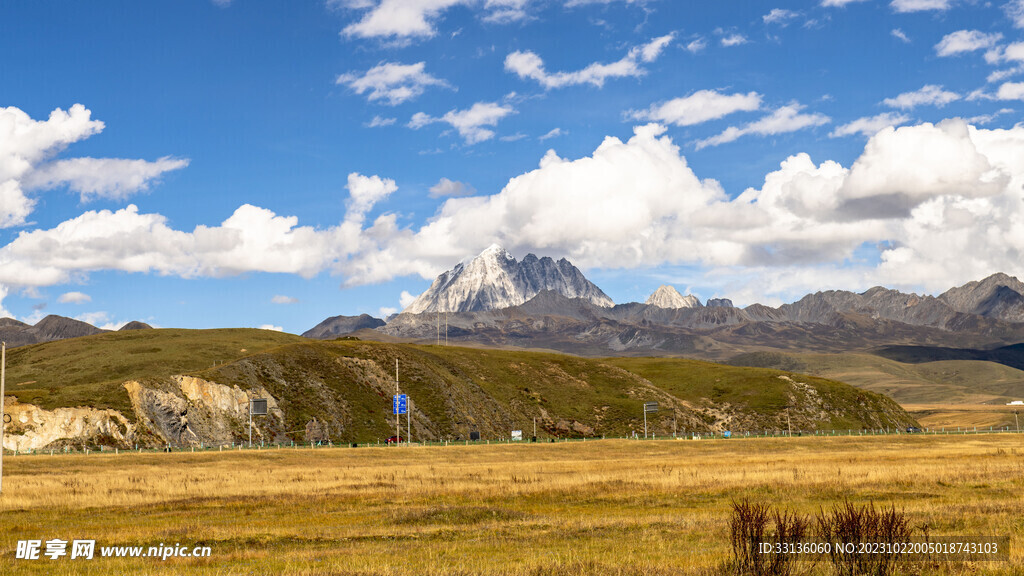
248	163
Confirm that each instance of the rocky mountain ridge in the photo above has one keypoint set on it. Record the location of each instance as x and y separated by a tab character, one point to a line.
979	314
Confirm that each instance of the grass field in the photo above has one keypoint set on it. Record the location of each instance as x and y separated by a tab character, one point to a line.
951	416
947	381
598	507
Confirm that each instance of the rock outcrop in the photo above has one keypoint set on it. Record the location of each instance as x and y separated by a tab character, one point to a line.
33	428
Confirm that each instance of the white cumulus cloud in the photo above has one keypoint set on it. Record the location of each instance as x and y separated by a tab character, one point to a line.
920	196
701	106
74	298
697	45
27	162
1015	11
446	187
527	64
734	39
1011	91
779	16
789	118
364	192
378	122
923	194
405	299
904	6
391	82
870	125
399	19
928	95
282	299
553	133
963	41
504	11
469	123
113	178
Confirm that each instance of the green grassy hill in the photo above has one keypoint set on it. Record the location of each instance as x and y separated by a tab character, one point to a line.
88	371
342	389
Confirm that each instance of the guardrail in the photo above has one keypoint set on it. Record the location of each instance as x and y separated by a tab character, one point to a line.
245	447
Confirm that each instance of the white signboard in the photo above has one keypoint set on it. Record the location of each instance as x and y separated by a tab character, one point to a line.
517	435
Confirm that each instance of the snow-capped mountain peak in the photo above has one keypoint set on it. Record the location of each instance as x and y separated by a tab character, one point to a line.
494	279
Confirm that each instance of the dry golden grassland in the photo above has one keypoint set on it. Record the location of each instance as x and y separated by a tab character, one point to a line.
596	507
965	416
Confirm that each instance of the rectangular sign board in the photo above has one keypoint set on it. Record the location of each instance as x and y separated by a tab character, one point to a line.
399	404
650	406
258	407
517	435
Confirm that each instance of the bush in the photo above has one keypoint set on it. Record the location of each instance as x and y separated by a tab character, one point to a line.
749	527
847	523
751	524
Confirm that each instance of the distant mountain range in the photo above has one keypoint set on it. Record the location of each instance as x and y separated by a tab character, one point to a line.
539	303
493	299
53	327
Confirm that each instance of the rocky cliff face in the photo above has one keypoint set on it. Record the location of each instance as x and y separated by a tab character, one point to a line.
32	428
188	411
494	280
183	411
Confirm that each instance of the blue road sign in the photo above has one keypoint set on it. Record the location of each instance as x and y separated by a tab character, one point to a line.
727	434
399	404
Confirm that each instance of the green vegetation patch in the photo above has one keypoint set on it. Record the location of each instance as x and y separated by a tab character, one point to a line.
89	371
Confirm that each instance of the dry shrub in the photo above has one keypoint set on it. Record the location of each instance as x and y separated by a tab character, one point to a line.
750	526
847	523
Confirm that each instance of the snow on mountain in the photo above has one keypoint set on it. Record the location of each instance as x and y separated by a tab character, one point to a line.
668	297
494	280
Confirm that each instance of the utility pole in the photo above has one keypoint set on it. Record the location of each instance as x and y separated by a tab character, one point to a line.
1015	419
3	378
789	423
398	417
445	327
408	423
